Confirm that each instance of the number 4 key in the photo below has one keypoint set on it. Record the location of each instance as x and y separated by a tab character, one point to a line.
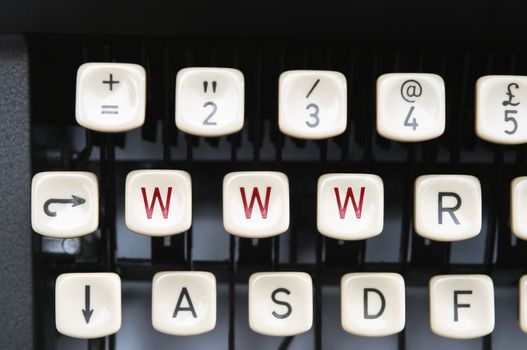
410	106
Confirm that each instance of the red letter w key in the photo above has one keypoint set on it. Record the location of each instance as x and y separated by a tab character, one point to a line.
158	202
247	192
337	192
157	197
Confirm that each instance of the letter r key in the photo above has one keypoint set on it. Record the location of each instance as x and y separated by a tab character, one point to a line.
447	207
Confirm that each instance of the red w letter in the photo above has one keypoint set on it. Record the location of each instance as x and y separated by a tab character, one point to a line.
157	196
255	195
349	194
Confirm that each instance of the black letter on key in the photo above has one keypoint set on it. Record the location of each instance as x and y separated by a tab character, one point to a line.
279	302
451	210
456	305
367	315
190	307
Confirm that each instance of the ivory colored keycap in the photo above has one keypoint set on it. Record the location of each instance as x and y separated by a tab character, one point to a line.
373	304
522	310
312	104
410	106
447	207
350	206
209	101
88	305
158	202
462	306
519	206
280	303
184	302
501	109
111	97
255	203
64	204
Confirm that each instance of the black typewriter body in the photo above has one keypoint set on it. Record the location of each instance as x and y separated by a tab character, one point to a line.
42	45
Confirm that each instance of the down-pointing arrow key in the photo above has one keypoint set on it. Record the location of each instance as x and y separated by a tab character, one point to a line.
87	311
88	304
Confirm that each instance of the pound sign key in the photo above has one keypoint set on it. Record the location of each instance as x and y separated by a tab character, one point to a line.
508	112
511	95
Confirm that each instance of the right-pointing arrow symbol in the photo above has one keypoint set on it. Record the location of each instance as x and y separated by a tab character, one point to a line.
74	201
87	312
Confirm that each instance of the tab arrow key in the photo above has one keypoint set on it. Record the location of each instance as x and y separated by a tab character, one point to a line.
74	201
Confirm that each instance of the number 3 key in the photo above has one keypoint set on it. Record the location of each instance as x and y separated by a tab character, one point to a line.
312	104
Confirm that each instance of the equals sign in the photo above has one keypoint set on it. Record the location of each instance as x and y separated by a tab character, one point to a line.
109	109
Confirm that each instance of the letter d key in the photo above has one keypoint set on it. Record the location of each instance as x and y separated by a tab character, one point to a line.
373	304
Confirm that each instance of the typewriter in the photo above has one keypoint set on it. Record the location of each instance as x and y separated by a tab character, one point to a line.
265	174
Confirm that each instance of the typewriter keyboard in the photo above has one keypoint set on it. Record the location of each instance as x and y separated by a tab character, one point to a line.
278	194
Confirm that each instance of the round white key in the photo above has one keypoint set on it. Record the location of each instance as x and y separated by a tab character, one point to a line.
447	207
410	106
111	97
372	304
518	206
184	302
64	204
209	101
312	104
501	109
350	206
158	202
255	203
461	306
88	305
280	303
522	310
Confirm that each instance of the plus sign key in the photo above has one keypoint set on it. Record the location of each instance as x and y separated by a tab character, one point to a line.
110	96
